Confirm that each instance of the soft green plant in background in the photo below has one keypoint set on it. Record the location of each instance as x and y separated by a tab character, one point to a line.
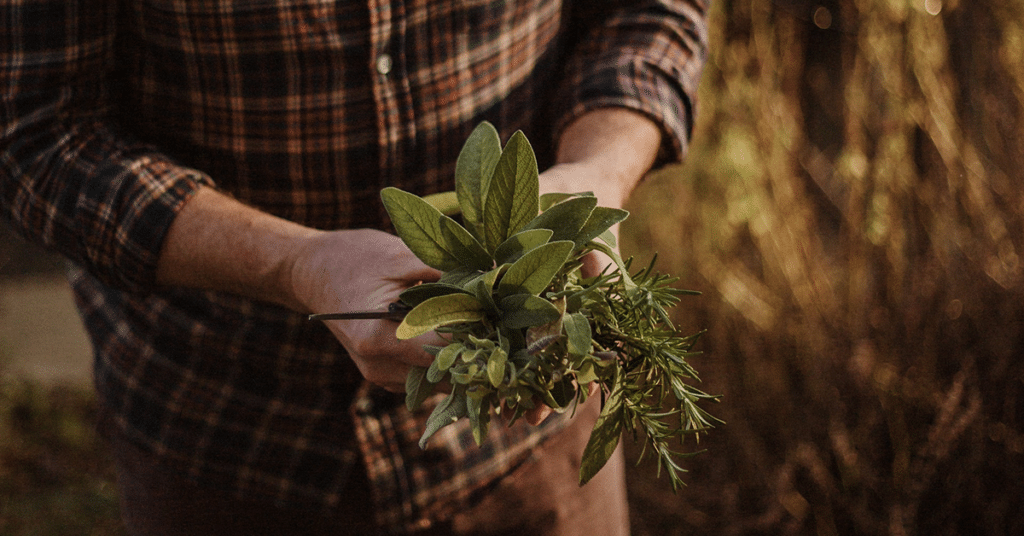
55	474
524	325
852	210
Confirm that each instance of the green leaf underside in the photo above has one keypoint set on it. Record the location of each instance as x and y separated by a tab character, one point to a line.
446	203
512	198
446	357
473	170
434	238
566	218
465	246
450	410
496	366
527	310
605	436
577	331
440	311
520	243
601	219
550	199
417	389
533	271
418	294
479	417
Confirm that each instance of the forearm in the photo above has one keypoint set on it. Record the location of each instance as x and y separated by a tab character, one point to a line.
615	147
221	244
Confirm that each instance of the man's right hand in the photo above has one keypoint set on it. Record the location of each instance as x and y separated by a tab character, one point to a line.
364	270
220	244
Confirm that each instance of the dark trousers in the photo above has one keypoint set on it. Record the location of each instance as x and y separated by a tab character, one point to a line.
540	498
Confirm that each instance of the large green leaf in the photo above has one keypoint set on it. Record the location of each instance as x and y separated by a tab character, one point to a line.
445	202
418	294
450	410
532	273
566	218
549	199
527	310
605	435
473	170
601	219
520	243
512	197
417	388
440	311
439	241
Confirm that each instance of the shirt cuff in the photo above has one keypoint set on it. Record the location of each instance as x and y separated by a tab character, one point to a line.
133	219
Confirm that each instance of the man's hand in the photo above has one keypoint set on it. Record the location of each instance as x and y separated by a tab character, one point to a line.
365	270
220	244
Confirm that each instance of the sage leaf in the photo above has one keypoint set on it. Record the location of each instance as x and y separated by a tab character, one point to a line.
440	311
450	410
577	331
566	218
447	356
605	435
532	273
496	366
473	170
518	244
446	203
460	277
512	198
437	240
527	310
550	199
601	219
417	389
479	416
418	294
434	372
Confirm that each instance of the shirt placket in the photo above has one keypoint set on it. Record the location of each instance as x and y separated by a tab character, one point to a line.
390	84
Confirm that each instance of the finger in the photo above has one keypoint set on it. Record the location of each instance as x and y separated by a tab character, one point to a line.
537	415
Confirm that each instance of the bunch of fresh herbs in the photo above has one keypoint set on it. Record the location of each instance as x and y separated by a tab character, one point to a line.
522	323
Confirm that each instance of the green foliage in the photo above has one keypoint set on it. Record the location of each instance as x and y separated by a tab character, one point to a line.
523	324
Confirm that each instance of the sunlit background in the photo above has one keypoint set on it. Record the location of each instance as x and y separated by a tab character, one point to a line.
849	211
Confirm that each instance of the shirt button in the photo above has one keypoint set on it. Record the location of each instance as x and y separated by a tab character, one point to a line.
384	63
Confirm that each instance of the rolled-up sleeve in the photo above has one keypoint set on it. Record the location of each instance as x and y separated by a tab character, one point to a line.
643	55
68	179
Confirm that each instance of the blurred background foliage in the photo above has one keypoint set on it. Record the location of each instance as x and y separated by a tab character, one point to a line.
848	211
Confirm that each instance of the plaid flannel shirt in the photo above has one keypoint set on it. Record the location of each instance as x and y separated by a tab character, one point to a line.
114	113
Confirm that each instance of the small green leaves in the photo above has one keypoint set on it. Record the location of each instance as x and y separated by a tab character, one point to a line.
436	239
512	197
440	311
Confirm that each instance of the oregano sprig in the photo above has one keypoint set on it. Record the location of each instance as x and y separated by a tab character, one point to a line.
521	321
